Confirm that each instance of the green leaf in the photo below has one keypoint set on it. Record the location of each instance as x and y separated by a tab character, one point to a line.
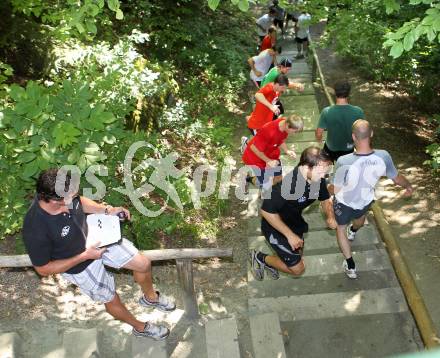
213	4
16	92
65	134
93	10
46	155
109	139
391	6
397	50
74	156
243	5
408	41
26	157
119	14
80	27
113	5
30	169
92	149
91	27
436	24
107	117
10	134
430	34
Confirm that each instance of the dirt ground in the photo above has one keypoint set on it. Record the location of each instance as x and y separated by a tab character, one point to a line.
403	131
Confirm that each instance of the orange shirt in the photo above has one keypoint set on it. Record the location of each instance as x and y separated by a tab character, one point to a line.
267	140
266	43
261	114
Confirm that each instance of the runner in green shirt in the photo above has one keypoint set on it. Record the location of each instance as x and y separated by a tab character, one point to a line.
337	120
283	67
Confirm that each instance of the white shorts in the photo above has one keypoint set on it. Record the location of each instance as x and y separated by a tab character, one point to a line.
95	281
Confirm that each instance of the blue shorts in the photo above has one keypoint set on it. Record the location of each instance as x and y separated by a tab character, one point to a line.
344	214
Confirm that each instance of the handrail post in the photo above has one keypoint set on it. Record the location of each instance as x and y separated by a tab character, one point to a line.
185	277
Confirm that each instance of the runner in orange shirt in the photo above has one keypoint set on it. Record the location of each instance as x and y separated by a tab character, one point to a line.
262	154
265	107
270	39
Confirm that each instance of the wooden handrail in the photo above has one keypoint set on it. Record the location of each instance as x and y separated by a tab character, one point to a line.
153	255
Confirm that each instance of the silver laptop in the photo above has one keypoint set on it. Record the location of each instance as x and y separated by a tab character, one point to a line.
104	229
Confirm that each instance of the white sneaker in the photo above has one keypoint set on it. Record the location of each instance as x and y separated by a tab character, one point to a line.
351	235
351	273
243	145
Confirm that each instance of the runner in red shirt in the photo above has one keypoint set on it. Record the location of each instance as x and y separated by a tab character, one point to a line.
270	39
262	153
265	107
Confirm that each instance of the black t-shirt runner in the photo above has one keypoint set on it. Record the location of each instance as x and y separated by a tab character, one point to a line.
52	237
289	198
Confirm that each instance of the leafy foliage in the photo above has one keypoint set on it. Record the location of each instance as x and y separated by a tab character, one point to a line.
87	102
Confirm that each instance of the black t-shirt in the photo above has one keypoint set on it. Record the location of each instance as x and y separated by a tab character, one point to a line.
52	237
289	198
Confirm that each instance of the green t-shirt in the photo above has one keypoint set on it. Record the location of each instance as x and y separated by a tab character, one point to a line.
338	120
270	77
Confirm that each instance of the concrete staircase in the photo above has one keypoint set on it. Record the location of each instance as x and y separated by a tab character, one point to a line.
323	313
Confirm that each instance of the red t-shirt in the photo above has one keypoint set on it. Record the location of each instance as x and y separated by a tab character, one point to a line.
267	140
261	114
266	43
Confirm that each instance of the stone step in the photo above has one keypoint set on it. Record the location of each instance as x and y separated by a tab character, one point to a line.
267	337
222	338
370	336
314	219
325	239
371	280
330	264
142	347
304	136
300	68
10	344
305	106
331	305
192	343
88	347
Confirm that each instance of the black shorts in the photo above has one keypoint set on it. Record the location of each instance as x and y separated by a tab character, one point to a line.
344	214
300	40
281	107
281	246
291	17
334	155
279	23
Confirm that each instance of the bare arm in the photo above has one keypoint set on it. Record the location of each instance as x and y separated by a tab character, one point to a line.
92	207
251	63
318	134
296	86
62	265
260	98
275	221
404	183
263	157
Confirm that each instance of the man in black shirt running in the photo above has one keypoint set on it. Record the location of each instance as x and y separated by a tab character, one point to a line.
55	235
282	223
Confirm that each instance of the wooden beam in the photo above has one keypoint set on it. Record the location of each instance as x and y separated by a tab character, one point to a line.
185	277
153	255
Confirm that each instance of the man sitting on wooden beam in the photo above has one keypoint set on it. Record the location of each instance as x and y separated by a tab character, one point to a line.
55	235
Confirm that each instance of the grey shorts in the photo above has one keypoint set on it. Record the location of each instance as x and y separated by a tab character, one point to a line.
95	281
344	214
